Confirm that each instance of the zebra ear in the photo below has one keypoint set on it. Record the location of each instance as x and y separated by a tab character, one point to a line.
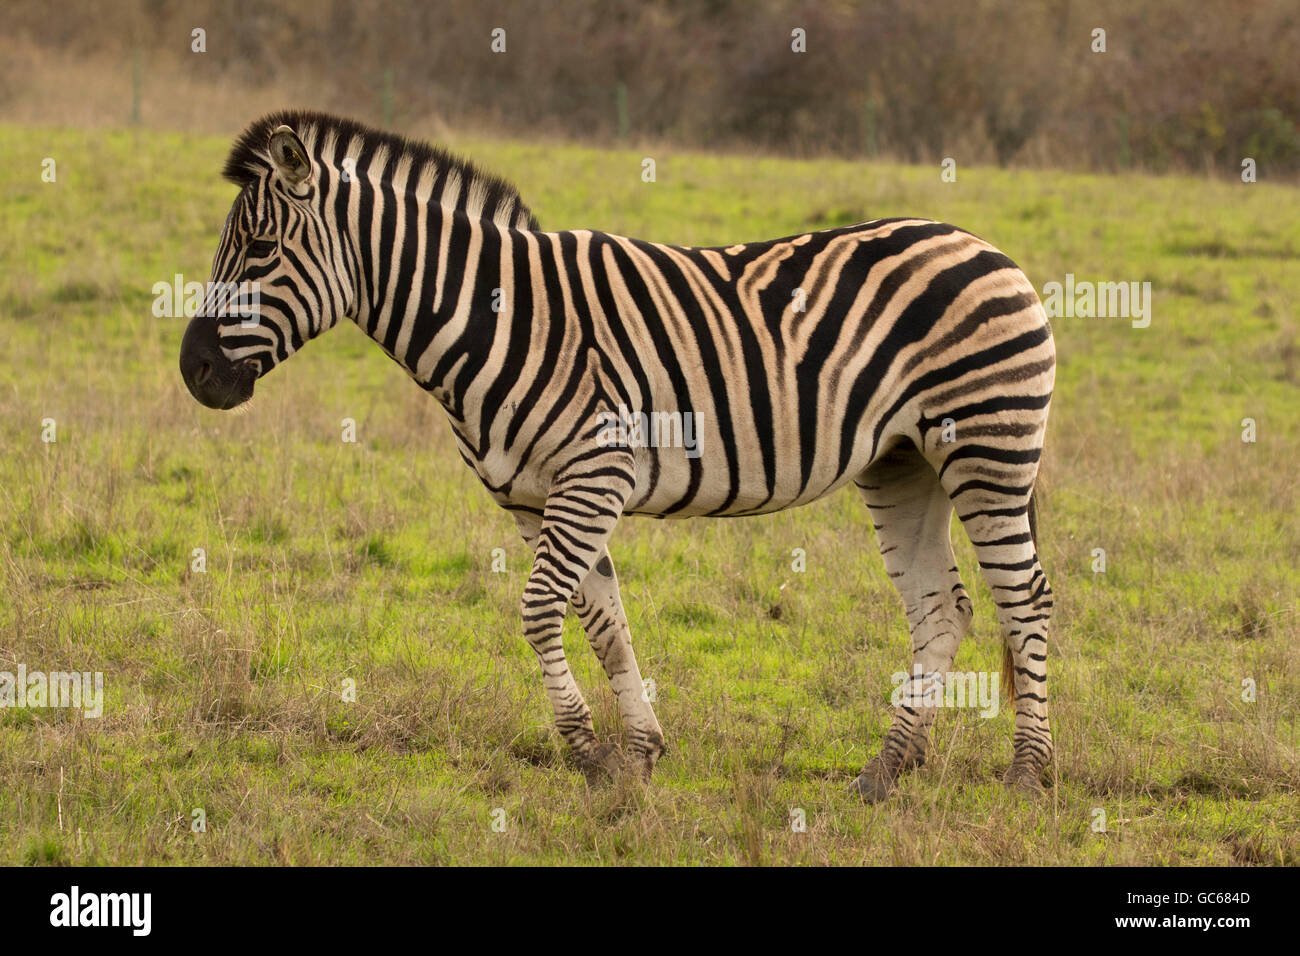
289	156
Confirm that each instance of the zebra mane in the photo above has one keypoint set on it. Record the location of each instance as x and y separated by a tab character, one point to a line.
479	192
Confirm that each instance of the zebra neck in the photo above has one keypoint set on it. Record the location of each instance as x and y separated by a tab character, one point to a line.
432	298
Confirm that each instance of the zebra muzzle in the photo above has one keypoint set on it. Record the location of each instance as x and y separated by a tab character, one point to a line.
213	379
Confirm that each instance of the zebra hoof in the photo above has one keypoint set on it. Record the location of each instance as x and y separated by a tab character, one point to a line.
1024	781
639	766
600	762
874	784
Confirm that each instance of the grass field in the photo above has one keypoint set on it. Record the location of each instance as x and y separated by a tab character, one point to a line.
371	561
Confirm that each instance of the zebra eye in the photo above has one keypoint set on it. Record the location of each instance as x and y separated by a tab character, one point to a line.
261	248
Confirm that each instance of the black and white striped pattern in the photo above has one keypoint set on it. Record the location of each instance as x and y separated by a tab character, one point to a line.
902	355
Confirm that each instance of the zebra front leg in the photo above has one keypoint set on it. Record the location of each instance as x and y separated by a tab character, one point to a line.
567	540
600	608
543	615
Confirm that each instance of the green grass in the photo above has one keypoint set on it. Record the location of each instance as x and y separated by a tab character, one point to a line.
372	561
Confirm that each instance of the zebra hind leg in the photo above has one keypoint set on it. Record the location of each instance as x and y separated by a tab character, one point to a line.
994	500
912	514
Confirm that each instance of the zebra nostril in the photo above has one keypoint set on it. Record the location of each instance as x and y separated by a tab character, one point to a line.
202	375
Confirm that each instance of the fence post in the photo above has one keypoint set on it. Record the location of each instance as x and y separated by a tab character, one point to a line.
869	131
386	98
135	86
620	102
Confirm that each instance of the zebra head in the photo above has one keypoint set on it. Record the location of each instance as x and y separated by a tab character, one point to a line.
278	277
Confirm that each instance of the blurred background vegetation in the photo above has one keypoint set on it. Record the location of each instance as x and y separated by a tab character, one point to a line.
1189	87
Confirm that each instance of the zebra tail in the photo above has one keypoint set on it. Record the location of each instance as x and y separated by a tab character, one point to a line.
1008	664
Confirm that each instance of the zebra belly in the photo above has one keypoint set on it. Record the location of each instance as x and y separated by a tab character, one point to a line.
729	474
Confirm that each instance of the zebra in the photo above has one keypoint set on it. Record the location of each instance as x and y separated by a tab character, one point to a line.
906	356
